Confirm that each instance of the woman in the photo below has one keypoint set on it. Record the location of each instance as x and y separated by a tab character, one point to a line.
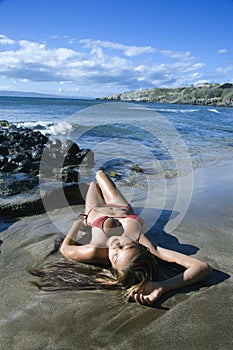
119	242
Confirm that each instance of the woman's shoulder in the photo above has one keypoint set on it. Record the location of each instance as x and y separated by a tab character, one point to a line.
91	253
82	253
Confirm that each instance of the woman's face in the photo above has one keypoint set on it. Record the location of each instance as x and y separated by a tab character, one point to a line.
121	251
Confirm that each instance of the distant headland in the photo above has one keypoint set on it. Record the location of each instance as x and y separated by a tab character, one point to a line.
205	94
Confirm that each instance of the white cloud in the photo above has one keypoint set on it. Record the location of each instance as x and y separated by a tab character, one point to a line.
96	67
225	70
5	87
5	41
222	51
128	50
177	55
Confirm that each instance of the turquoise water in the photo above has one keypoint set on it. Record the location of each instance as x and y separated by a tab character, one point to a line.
131	132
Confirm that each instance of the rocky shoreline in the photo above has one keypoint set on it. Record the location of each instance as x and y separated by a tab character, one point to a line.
205	94
34	169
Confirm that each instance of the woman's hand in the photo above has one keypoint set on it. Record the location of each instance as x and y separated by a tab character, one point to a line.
149	294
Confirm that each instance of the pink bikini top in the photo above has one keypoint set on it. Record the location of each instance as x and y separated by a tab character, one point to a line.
99	222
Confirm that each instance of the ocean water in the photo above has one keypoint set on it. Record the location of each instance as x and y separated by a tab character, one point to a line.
157	138
151	148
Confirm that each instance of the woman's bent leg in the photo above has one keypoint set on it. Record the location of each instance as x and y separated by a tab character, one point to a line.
111	193
93	198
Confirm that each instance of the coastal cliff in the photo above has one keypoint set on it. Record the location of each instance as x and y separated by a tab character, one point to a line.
205	94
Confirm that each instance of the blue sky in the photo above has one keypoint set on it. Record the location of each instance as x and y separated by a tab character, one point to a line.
94	48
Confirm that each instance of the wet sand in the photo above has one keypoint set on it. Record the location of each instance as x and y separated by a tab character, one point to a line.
198	317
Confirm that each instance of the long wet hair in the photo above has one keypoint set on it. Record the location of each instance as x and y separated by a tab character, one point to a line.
77	276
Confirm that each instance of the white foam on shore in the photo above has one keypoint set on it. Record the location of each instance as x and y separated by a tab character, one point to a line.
213	110
173	110
54	129
33	125
62	128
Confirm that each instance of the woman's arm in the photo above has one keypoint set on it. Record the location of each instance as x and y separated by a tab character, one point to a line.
71	237
69	248
196	270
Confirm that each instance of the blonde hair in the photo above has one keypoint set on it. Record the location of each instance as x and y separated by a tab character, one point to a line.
141	269
77	276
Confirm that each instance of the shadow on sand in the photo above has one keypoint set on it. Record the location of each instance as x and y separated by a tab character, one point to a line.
158	236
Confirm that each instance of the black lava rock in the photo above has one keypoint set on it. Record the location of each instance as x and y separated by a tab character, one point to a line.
27	156
17	183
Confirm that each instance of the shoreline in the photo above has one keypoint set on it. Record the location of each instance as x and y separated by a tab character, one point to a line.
192	318
217	95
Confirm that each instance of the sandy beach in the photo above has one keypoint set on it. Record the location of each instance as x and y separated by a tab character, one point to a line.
198	317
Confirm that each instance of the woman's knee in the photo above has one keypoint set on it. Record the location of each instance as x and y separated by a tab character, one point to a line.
99	174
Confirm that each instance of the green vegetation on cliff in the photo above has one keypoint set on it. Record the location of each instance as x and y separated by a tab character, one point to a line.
205	94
